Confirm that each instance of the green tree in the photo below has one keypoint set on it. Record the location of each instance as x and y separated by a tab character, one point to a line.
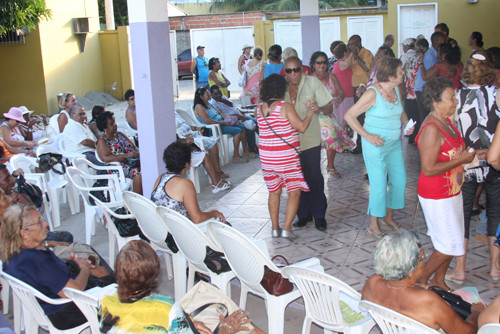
21	14
277	5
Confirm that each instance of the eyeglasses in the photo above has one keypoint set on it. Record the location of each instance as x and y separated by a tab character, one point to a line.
39	222
325	62
295	69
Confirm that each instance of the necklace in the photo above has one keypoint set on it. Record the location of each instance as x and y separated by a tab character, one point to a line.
401	287
444	123
387	96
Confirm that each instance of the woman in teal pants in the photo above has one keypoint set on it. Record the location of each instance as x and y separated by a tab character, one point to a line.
381	142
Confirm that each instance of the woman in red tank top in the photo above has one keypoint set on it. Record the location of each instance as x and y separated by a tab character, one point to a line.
442	154
450	66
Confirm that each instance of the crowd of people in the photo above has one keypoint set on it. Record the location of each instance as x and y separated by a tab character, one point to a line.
448	108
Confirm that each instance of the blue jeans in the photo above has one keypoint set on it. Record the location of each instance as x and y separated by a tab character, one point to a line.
201	84
232	130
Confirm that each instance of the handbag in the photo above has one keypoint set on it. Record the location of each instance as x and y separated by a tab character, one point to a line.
460	306
80	250
273	282
203	303
126	227
216	261
132	162
32	191
48	161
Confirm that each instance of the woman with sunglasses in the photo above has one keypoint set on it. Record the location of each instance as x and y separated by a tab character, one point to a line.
65	103
11	135
26	256
333	138
399	263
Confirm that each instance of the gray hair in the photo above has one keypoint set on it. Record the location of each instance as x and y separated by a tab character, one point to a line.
73	110
397	255
293	58
288	52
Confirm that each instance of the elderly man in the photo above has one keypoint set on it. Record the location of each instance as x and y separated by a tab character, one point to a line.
361	65
389	41
77	136
308	93
225	106
408	50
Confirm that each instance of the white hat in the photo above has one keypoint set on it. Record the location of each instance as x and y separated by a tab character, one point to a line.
246	46
409	41
26	111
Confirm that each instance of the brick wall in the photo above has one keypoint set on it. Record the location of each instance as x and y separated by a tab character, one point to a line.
214	21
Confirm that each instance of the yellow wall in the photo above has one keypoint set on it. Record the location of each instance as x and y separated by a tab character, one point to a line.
21	77
65	67
123	43
462	18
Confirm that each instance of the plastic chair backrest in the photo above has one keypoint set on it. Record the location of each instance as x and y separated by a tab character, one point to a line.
84	184
27	164
187	117
28	297
391	321
489	329
87	304
321	295
246	260
192	242
54	123
144	211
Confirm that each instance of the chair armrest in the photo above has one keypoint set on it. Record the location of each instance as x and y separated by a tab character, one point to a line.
312	263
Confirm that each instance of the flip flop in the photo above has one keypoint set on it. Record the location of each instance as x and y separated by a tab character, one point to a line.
449	277
333	171
495	278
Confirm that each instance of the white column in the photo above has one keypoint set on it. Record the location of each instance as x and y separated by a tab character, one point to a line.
110	15
309	21
150	45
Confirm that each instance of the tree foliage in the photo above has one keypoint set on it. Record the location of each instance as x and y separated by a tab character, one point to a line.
283	5
21	14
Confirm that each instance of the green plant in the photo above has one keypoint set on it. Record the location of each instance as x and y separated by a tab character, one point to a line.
21	14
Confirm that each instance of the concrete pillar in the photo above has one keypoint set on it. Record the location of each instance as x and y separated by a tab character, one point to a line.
110	14
309	21
150	45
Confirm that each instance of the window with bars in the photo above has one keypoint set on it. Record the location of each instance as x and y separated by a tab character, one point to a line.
12	37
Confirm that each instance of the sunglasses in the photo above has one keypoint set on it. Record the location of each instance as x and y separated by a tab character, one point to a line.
295	69
325	62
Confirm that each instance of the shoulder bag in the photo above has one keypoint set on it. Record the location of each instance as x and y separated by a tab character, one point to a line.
460	306
273	282
32	191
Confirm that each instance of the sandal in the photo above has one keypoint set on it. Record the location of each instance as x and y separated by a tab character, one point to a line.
495	278
250	155
396	227
451	277
333	171
374	235
221	186
239	160
223	175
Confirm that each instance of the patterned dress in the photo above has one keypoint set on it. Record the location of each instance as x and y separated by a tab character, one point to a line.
122	146
333	136
161	198
280	161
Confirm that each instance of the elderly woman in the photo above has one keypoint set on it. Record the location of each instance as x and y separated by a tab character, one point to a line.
399	262
215	77
26	257
65	103
478	116
381	141
253	68
279	148
442	154
207	114
137	308
115	146
11	135
333	137
174	191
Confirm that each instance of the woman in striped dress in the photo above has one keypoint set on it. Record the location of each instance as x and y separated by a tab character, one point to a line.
279	149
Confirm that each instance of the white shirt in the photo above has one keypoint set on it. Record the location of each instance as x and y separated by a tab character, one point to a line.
74	133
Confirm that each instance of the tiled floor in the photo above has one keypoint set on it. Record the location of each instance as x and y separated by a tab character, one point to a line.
344	250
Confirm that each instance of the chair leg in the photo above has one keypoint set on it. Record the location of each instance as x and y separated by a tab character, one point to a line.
222	283
89	223
275	315
243	296
180	266
5	296
54	204
190	280
111	247
306	326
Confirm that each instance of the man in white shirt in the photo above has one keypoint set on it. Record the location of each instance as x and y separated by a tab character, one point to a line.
77	136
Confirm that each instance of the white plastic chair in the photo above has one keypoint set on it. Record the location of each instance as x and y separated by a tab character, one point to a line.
33	313
83	182
88	303
489	329
247	261
391	322
153	228
52	188
54	124
322	293
114	237
121	183
193	243
68	154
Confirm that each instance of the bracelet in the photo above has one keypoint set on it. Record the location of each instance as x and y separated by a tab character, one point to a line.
225	324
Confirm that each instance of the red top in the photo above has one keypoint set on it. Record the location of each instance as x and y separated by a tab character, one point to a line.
344	79
456	78
449	183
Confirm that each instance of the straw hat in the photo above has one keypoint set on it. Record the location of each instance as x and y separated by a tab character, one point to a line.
15	113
